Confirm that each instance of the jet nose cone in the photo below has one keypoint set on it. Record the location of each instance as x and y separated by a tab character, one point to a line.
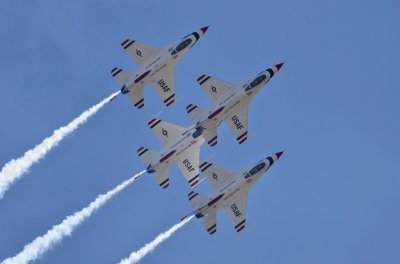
279	66
279	154
204	29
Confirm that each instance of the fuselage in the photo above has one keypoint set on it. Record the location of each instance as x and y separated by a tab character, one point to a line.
242	182
171	153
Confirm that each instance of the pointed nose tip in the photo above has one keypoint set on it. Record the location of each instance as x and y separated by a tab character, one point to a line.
204	29
279	66
279	154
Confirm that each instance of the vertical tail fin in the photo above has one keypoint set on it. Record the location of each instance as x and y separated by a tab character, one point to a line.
120	76
146	155
196	113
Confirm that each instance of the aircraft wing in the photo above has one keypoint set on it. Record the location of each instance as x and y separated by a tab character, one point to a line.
214	88
139	52
165	131
216	176
210	223
237	122
162	177
164	84
189	164
236	209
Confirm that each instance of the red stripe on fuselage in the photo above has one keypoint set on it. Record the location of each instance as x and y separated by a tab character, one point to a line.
216	199
216	113
141	77
167	156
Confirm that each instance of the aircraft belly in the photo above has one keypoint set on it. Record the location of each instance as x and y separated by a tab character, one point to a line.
156	69
185	146
231	193
232	106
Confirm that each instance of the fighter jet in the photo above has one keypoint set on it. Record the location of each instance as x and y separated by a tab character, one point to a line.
155	66
230	104
229	192
181	146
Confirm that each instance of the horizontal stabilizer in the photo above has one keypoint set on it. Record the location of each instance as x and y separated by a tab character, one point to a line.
120	76
146	155
210	223
137	97
196	200
196	113
210	133
162	178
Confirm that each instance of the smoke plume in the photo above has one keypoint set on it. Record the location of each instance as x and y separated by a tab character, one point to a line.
15	168
43	243
136	256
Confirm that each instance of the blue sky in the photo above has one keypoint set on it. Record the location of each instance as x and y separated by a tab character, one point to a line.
332	198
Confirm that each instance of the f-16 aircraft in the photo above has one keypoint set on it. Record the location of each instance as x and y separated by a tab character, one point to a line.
181	146
156	66
230	104
229	192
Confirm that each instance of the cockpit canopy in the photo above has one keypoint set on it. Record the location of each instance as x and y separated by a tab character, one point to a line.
182	46
256	82
256	169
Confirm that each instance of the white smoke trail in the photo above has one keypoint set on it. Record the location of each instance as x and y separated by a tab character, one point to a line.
15	168
136	256
42	244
